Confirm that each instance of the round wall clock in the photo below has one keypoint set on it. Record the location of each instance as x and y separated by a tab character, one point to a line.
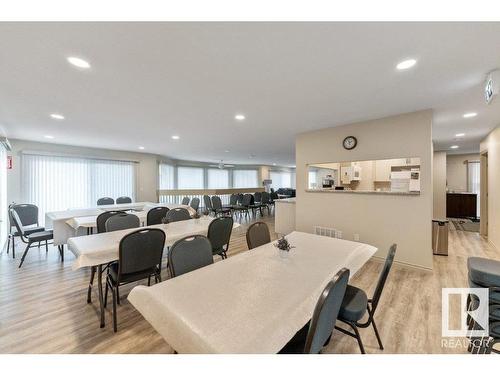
350	142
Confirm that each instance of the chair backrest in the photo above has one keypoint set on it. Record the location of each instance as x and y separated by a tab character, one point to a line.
326	312
189	254
195	203
27	213
17	221
219	232
383	276
266	198
101	220
233	199
178	214
274	196
258	235
207	202
185	201
106	200
155	215
216	202
257	197
123	200
122	221
247	200
140	251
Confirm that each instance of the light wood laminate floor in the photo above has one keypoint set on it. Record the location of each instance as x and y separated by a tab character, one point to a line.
43	305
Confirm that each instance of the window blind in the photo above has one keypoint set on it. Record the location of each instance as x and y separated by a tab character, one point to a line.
218	178
245	178
166	176
190	178
59	182
281	179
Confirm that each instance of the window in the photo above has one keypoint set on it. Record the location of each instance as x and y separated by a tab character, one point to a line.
245	178
166	176
58	182
218	178
473	183
190	178
281	179
312	178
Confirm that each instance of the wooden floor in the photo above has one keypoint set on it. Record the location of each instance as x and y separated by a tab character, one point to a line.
43	305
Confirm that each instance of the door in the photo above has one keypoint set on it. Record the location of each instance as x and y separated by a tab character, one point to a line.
3	195
483	226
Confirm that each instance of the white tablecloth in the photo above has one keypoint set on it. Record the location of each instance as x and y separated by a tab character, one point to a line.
58	220
250	303
102	248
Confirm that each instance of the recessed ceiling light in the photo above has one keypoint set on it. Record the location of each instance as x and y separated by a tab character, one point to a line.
239	117
226	150
57	116
274	163
406	64
141	147
470	114
78	62
454	146
176	137
49	136
460	135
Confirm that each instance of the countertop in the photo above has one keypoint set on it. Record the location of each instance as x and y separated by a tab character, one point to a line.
285	200
461	192
361	192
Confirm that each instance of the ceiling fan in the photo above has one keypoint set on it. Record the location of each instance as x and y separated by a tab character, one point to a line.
221	165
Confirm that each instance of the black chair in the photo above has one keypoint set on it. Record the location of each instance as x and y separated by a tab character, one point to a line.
101	220
217	206
123	200
258	235
28	215
30	239
233	201
106	200
219	235
156	215
315	335
246	202
139	257
266	202
177	214
208	204
122	221
356	304
195	204
185	201
189	254
256	204
257	197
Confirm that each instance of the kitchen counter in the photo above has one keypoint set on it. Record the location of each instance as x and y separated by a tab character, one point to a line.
362	192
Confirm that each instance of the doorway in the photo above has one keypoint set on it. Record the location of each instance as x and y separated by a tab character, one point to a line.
483	228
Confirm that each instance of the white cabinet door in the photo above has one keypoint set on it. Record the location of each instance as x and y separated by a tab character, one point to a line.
383	170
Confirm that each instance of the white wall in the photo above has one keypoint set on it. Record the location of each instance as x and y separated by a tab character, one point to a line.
380	220
491	144
439	184
147	169
456	171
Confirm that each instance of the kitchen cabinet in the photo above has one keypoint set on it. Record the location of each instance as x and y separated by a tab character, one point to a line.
383	167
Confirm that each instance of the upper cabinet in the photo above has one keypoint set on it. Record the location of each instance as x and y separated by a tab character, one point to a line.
383	167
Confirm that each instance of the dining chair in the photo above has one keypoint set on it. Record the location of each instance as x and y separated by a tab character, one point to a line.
244	206
189	254
315	335
101	220
177	214
30	239
122	221
256	203
266	201
356	304
195	203
208	204
258	235
257	197
106	200
139	257
123	200
156	215
28	216
217	206
185	201
219	235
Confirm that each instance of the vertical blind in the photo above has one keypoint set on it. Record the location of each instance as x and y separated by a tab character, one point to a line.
473	180
166	176
281	179
218	178
190	178
58	182
245	178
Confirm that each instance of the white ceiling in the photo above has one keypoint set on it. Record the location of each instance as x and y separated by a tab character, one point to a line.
149	81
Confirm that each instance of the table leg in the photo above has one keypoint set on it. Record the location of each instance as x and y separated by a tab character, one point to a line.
89	292
101	299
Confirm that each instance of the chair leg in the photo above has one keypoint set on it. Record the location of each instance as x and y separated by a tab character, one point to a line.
377	335
13	247
89	292
358	337
106	294
24	254
46	246
149	280
117	294
8	244
114	293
